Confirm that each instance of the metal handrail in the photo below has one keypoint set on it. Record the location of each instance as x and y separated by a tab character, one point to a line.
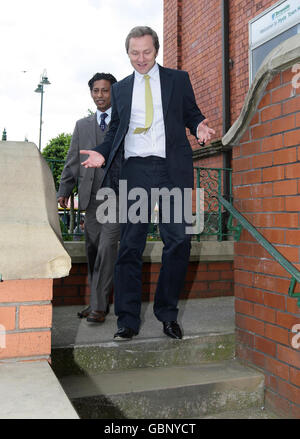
266	245
211	181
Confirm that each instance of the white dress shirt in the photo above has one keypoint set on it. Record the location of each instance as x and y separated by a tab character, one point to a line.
153	142
107	119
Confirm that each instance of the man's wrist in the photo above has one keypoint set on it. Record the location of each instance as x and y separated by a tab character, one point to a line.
201	143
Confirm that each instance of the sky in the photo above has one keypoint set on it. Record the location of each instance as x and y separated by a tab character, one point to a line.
69	40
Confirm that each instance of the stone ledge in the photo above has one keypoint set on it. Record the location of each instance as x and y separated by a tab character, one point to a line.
31	241
205	251
32	391
280	59
215	147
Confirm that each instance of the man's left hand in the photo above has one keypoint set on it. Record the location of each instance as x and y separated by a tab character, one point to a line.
204	133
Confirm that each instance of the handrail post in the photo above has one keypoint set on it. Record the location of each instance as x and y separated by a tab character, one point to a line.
292	289
220	222
198	186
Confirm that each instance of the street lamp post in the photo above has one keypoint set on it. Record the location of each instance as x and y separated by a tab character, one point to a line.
40	89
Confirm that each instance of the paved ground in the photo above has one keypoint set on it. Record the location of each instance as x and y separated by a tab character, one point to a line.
30	390
196	316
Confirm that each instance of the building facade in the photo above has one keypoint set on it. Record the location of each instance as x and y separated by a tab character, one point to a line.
252	96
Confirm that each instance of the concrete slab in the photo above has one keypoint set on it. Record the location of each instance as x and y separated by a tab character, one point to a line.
204	251
32	391
167	392
31	242
249	413
225	374
196	316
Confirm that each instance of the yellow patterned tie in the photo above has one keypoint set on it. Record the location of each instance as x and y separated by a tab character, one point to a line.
149	107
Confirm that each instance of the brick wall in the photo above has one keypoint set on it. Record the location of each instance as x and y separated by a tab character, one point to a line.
25	319
193	34
266	180
172	33
211	279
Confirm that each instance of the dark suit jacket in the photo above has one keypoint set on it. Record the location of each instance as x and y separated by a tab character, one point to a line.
180	112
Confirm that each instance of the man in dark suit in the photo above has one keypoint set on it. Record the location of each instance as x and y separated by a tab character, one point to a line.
150	112
101	240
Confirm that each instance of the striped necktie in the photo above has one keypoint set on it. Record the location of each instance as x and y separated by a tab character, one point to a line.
102	121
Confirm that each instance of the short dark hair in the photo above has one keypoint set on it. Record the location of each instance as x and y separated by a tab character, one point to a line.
140	31
98	76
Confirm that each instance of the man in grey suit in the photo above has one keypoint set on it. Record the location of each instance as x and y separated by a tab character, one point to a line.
101	238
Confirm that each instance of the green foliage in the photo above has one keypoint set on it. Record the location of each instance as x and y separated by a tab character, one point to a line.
91	112
55	153
64	231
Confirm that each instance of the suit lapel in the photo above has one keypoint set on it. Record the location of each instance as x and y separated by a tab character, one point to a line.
166	85
91	128
125	90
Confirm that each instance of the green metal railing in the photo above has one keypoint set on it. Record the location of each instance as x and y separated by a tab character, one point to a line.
56	166
215	216
243	222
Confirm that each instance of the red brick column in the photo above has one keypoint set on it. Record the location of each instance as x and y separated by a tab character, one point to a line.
266	181
173	34
25	319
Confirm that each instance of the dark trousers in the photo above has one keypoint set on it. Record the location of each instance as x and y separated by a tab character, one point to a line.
147	173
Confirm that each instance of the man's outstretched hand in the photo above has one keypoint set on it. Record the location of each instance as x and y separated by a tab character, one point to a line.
95	159
204	133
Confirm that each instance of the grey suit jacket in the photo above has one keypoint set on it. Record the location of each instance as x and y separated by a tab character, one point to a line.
86	135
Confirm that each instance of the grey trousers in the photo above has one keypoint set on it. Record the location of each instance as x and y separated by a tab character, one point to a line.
101	242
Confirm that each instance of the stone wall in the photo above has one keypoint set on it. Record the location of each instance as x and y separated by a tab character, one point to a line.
32	253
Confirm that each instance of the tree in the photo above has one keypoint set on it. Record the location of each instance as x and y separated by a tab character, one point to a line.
55	154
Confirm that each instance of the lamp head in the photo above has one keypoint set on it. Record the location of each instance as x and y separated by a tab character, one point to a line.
39	89
45	80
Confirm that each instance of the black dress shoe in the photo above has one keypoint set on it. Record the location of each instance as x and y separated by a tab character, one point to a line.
172	329
84	313
124	334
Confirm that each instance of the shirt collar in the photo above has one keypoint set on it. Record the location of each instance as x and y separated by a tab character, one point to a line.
108	112
152	73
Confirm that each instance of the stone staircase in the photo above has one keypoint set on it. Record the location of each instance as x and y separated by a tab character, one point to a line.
152	376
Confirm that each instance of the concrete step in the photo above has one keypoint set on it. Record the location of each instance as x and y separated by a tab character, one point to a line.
30	390
166	392
80	348
160	352
248	413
